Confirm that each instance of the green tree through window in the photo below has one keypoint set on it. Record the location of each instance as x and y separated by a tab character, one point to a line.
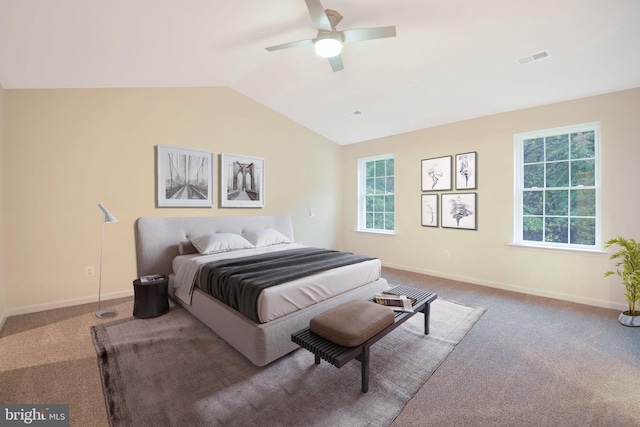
376	208
557	186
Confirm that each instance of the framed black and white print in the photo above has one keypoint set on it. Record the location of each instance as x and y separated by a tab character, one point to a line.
241	181
467	171
184	177
436	174
430	210
459	210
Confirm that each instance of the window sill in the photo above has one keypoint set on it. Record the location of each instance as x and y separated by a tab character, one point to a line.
385	232
557	248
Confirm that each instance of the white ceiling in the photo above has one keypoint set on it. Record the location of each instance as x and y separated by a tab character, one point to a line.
452	60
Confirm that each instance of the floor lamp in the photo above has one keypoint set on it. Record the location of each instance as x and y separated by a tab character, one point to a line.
106	217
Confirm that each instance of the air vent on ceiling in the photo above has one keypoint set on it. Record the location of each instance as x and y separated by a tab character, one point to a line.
538	56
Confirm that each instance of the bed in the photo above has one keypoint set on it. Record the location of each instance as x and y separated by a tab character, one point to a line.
163	247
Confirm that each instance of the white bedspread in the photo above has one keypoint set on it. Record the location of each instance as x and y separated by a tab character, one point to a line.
288	297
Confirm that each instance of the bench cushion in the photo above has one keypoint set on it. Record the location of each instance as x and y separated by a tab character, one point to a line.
352	323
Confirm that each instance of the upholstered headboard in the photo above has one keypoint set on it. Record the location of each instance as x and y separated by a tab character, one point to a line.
157	239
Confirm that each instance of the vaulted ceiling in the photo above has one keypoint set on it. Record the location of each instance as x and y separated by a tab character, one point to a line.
452	60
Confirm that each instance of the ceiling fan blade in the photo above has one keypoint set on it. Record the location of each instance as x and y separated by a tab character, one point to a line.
336	63
361	34
290	44
318	15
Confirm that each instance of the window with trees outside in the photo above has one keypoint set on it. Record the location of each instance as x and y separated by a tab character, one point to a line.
557	183
376	203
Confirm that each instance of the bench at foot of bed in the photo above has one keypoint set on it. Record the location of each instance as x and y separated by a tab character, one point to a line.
347	332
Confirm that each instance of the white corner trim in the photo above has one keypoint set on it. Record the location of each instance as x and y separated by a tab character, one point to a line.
3	317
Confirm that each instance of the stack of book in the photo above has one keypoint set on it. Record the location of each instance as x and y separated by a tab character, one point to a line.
152	278
395	301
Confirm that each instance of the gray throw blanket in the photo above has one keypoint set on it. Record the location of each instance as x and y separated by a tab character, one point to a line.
238	282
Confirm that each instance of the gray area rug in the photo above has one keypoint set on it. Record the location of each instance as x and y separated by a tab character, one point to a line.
174	371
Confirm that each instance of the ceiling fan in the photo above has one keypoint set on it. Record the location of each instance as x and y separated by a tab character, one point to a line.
328	42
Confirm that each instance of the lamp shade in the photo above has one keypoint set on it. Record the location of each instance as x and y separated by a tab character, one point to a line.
328	47
108	216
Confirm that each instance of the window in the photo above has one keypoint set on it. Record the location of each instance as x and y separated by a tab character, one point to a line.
376	204
558	188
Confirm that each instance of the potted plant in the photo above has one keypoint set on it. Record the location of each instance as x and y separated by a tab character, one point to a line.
628	268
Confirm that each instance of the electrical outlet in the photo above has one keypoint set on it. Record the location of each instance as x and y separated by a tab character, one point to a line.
89	271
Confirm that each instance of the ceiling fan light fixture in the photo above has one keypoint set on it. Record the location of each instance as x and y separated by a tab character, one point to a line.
328	47
328	42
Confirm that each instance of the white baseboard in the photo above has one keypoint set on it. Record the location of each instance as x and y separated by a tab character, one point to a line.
63	303
520	289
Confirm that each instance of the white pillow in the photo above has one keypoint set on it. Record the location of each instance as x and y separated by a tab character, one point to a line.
266	237
220	242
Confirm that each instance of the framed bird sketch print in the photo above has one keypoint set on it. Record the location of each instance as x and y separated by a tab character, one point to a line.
460	210
429	210
436	174
466	171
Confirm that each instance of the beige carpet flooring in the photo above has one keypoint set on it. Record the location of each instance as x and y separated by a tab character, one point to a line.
529	361
173	371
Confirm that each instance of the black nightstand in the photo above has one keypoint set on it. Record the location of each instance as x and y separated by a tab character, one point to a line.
151	298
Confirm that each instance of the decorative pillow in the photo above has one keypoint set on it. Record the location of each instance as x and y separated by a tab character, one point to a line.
186	247
266	237
220	242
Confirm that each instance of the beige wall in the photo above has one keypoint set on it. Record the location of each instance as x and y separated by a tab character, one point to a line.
63	151
485	256
3	286
67	150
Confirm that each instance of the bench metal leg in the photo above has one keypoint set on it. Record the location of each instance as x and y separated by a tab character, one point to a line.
317	359
364	366
426	311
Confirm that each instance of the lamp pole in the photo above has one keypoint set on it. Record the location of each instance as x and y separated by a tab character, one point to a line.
106	217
